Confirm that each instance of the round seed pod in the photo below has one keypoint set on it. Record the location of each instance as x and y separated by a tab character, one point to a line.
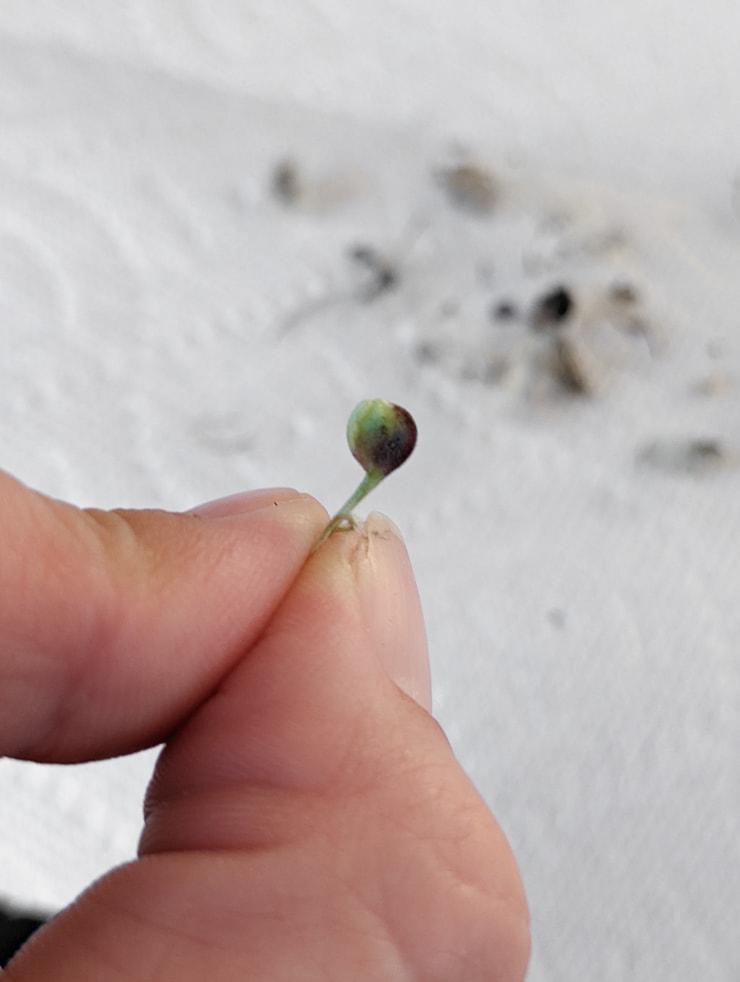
381	435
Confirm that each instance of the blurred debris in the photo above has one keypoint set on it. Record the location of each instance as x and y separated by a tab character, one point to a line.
556	617
469	187
705	451
623	294
623	300
714	384
382	274
566	337
489	369
503	310
568	369
290	185
286	182
553	308
691	455
426	352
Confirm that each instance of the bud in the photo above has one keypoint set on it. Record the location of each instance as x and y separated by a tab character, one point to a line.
381	435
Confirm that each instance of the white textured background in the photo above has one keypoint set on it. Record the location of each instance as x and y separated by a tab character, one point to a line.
582	607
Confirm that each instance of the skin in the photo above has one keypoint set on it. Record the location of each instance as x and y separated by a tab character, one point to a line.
307	818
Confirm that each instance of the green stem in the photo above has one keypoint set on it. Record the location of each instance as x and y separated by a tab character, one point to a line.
371	480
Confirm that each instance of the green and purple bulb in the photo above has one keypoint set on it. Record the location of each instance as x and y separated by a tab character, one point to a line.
381	436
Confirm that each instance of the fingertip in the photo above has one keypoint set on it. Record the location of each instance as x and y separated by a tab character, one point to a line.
368	567
241	501
294	510
244	502
391	604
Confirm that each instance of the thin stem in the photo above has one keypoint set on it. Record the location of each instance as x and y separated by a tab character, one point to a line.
371	480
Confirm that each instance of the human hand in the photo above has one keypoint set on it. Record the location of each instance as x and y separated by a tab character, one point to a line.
307	819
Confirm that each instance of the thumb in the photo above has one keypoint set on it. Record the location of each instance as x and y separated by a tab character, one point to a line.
313	752
306	707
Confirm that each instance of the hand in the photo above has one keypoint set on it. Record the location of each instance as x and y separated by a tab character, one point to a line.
307	819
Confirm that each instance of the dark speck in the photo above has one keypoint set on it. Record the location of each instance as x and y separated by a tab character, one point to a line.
426	352
503	310
383	275
706	450
286	182
553	308
696	455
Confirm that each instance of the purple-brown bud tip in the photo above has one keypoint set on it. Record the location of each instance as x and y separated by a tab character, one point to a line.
381	435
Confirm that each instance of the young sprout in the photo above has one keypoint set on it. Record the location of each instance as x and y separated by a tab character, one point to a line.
381	435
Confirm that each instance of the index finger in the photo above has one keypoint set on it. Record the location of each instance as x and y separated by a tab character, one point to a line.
115	625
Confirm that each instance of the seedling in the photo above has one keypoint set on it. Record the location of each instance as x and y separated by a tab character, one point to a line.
381	436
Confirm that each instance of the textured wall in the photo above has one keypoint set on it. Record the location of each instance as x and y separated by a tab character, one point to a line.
172	331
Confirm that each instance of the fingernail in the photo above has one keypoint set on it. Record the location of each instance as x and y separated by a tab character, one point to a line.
391	608
243	502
